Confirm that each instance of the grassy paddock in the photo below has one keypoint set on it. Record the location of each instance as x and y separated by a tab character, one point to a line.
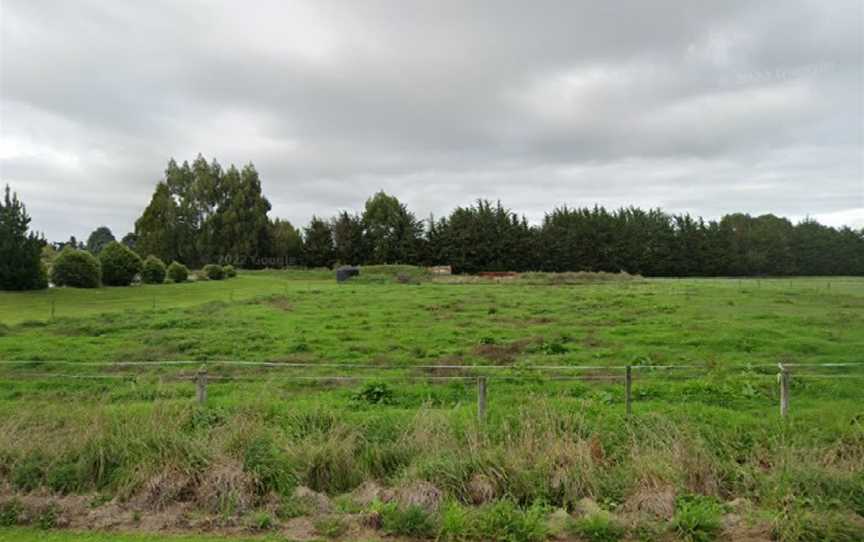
698	440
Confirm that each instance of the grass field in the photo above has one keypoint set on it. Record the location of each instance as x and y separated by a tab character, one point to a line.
399	451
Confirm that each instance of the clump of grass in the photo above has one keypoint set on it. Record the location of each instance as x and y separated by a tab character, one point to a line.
697	518
261	521
411	521
330	526
598	528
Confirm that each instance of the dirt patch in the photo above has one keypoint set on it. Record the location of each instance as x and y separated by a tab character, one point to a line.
502	353
281	303
316	501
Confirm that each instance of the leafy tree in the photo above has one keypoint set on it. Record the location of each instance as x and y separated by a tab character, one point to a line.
286	244
153	271
155	229
318	244
20	252
130	240
392	232
119	264
76	268
99	238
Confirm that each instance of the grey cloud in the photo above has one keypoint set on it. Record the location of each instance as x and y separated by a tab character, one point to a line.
706	107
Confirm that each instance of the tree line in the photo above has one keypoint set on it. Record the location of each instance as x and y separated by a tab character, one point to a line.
202	213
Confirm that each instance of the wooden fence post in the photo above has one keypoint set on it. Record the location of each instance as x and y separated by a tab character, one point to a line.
783	377
52	310
201	381
628	387
481	398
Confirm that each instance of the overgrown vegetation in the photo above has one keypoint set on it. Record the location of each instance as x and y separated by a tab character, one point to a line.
697	442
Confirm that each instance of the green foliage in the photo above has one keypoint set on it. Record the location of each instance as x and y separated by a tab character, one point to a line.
286	244
229	271
261	521
411	521
214	272
504	521
153	271
697	518
99	239
76	268
10	512
392	233
375	393
47	516
21	266
177	272
598	528
318	250
330	526
271	469
120	265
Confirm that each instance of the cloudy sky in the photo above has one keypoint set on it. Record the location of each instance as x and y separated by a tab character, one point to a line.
706	107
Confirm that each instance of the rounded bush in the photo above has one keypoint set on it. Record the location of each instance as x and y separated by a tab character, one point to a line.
229	271
178	272
119	264
76	268
153	271
214	272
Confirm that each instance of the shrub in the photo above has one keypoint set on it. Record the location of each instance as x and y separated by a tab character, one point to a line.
120	264
153	271
229	271
76	268
330	526
178	272
503	520
214	272
376	393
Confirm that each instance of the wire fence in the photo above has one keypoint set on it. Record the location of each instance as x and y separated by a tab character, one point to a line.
479	373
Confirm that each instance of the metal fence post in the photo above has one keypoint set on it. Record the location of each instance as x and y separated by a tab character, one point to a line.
201	382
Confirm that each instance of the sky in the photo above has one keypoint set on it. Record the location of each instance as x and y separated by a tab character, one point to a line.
700	107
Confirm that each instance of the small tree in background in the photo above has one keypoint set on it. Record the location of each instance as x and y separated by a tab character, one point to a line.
20	253
153	271
119	264
214	272
230	272
99	239
178	272
76	268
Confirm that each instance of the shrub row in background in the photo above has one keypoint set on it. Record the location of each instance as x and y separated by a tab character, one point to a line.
117	265
214	271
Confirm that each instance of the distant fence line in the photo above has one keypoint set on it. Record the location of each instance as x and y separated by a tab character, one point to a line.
201	377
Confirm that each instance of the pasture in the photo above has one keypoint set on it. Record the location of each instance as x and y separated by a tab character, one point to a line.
365	399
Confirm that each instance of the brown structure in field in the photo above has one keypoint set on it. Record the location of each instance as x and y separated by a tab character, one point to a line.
440	270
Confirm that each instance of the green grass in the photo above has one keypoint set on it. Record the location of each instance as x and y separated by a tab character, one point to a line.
712	433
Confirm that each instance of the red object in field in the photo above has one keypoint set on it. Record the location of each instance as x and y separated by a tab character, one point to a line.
495	274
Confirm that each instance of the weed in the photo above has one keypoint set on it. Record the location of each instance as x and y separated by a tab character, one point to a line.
375	393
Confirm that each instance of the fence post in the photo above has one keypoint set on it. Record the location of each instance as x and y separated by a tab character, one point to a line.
628	386
201	381
481	398
52	310
783	377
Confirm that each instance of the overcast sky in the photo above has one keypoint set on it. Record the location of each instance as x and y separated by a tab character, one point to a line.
705	107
